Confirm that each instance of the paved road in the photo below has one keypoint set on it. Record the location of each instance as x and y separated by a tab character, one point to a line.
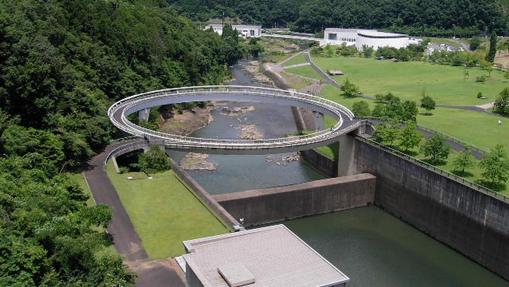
125	238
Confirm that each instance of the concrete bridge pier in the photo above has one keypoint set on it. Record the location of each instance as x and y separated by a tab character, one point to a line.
144	115
346	162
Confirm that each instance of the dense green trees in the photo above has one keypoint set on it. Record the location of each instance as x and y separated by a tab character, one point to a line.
62	63
428	17
48	236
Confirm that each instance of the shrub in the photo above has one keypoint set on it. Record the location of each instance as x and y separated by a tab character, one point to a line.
481	79
154	160
361	109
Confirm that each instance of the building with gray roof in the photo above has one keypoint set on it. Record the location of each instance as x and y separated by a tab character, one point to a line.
269	256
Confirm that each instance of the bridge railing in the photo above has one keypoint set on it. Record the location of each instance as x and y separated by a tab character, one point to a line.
132	101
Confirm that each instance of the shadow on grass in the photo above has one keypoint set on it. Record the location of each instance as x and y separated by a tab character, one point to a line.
410	152
435	162
462	173
491	185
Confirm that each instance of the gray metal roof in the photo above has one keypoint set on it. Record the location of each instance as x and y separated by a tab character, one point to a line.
273	256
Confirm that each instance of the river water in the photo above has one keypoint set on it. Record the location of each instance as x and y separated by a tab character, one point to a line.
243	172
372	247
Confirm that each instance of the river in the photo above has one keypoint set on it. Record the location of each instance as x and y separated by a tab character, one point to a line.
243	172
372	247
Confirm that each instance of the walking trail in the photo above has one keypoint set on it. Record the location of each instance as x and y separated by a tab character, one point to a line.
125	239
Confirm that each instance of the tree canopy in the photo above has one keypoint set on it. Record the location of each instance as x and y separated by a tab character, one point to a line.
62	63
421	17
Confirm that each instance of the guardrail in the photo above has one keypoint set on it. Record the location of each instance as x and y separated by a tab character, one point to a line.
130	103
428	166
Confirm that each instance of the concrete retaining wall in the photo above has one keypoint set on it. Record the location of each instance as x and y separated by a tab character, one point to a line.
319	161
471	221
205	196
315	197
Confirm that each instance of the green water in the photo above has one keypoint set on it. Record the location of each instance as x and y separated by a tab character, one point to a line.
375	249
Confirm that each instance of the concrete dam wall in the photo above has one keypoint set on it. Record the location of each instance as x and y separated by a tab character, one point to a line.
262	206
471	221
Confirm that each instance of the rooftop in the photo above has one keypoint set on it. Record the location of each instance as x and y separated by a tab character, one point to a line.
340	30
234	26
269	256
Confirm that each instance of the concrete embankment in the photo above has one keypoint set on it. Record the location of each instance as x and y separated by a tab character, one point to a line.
460	215
269	205
204	196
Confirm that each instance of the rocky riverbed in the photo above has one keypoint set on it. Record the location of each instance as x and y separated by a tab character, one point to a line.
197	161
250	132
188	121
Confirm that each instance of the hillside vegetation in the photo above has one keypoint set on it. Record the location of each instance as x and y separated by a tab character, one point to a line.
421	17
62	63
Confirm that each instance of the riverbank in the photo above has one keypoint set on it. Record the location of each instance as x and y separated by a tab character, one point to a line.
188	121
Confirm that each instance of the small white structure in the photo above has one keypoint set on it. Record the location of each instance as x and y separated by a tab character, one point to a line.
366	38
247	31
271	256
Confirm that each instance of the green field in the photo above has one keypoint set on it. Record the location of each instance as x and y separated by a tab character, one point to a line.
305	71
164	212
446	84
299	59
476	128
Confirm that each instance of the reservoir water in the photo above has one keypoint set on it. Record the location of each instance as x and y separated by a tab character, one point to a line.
372	247
375	249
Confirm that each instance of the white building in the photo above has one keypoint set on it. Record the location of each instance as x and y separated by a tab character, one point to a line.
270	256
247	31
366	38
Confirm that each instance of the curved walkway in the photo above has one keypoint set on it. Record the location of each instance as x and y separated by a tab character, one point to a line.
120	111
125	239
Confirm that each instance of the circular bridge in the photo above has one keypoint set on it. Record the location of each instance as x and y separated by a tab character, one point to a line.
120	111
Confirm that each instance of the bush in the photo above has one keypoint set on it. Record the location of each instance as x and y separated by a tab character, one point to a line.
501	104
481	79
154	160
349	89
427	103
479	95
361	109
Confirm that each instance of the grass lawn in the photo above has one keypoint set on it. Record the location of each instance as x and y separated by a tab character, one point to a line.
476	128
472	174
299	59
446	84
334	94
164	212
306	71
295	81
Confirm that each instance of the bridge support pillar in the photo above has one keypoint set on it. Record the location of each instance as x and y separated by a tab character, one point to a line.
143	115
346	156
115	164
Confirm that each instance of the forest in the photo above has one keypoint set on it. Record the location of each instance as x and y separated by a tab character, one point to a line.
417	17
62	63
